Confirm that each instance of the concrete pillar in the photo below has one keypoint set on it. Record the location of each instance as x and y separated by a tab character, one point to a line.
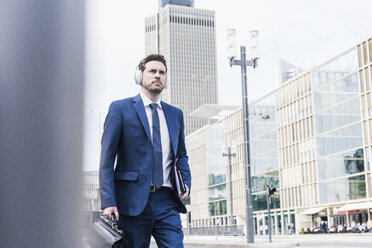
276	223
282	221
289	221
41	119
297	223
329	224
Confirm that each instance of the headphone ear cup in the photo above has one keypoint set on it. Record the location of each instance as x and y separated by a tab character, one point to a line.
138	76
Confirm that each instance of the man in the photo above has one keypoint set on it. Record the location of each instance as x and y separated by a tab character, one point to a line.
146	137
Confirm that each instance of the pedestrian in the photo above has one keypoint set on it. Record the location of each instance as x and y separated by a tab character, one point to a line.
322	227
325	227
145	136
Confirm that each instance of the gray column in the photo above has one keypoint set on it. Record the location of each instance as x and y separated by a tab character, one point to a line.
41	110
283	225
329	224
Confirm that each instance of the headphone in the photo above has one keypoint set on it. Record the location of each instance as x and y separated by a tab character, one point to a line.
138	77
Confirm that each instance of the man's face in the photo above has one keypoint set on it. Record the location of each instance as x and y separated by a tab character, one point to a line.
154	77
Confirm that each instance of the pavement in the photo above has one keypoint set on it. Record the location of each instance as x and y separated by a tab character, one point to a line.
281	241
339	240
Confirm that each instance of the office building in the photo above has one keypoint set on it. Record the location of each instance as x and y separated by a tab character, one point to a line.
209	180
91	191
311	139
186	36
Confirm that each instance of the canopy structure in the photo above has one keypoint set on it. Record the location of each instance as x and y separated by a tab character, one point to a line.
212	111
311	211
355	206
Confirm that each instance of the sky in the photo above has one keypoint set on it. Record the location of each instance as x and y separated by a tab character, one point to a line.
306	33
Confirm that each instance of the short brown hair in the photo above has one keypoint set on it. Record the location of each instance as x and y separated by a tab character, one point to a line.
152	57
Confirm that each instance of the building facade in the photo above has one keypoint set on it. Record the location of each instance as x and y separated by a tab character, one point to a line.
311	139
91	195
205	148
186	36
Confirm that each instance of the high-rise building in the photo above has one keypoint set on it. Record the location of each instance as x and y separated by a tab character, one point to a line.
186	36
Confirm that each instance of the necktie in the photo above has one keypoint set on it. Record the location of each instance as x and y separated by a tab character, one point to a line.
157	173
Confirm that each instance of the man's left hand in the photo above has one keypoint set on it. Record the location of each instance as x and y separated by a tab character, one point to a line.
185	195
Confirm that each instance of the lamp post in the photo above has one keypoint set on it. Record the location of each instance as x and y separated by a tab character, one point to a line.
230	155
270	192
243	63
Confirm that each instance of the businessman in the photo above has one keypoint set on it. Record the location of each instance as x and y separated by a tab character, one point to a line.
145	136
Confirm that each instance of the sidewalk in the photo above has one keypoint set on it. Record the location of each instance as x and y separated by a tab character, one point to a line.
279	241
236	242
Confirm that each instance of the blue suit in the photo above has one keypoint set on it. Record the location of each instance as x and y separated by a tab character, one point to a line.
127	139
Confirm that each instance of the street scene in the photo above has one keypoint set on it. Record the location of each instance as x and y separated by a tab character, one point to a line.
291	161
195	123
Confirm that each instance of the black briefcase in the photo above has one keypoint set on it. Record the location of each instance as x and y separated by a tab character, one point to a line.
105	234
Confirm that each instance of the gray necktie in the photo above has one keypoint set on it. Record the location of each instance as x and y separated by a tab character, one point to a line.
157	173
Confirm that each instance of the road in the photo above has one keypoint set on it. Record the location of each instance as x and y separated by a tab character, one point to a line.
307	245
307	241
334	245
155	246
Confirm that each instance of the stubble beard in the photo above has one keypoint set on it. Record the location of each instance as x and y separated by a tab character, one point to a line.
156	90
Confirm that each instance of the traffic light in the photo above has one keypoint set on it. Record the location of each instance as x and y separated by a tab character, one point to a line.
271	191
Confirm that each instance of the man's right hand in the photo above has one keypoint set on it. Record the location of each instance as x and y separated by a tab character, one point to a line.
107	212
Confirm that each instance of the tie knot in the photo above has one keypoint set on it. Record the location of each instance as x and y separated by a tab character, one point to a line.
153	105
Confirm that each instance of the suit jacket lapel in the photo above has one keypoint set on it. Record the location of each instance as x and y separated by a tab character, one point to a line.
138	105
171	125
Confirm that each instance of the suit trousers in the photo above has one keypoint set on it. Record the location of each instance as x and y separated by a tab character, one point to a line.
160	219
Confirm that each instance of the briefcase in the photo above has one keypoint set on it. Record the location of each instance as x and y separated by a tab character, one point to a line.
105	234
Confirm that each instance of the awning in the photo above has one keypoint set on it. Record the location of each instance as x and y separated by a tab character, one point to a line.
355	206
212	110
312	210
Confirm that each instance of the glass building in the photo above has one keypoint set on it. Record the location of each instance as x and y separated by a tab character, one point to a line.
311	139
209	199
186	36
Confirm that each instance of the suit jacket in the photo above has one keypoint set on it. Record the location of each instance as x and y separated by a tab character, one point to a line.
127	139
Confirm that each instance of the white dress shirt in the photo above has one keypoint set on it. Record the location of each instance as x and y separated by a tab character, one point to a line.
164	134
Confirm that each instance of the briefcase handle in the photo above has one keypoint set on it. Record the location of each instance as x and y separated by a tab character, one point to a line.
112	223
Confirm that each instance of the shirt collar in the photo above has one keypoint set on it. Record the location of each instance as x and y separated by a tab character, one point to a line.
146	101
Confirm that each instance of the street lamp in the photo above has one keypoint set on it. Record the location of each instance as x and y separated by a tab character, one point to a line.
243	63
230	155
270	192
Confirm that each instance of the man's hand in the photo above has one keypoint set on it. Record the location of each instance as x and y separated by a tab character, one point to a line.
107	212
185	195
